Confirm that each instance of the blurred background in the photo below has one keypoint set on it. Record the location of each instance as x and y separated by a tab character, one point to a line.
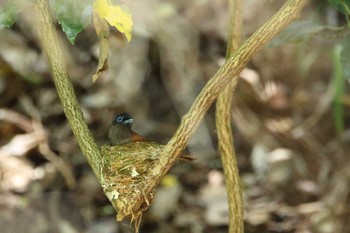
290	118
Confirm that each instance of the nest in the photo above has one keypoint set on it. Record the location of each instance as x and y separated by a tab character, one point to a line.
128	179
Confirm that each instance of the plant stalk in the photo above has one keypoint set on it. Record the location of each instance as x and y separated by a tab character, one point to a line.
224	129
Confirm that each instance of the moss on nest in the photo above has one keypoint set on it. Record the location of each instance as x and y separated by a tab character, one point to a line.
126	176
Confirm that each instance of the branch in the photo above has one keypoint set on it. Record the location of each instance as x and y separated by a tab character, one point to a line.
65	88
224	129
228	72
232	67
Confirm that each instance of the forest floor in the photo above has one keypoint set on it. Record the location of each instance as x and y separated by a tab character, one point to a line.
291	139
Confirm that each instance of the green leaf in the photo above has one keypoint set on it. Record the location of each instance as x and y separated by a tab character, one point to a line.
297	32
339	91
72	15
345	57
341	5
9	11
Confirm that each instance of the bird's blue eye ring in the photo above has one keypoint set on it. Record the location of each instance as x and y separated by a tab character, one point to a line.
120	119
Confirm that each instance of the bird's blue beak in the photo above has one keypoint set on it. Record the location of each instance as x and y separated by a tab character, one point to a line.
129	121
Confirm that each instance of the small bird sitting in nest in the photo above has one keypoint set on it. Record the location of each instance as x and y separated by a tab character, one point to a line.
129	165
121	133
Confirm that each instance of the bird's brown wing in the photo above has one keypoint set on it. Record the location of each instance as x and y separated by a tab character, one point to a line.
135	137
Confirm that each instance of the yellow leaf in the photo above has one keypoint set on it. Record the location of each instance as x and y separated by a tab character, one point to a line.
169	181
115	16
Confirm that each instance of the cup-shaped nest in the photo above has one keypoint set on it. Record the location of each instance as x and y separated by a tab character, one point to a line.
127	176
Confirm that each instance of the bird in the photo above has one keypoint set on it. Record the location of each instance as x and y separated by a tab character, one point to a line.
121	133
129	166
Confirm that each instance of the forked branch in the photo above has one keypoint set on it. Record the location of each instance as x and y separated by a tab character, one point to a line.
226	74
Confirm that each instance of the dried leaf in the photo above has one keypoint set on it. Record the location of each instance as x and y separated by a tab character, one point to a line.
102	31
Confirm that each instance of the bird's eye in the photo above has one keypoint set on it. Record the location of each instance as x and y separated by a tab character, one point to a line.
120	119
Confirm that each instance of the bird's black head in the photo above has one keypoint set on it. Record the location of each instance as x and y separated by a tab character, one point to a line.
123	118
120	131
